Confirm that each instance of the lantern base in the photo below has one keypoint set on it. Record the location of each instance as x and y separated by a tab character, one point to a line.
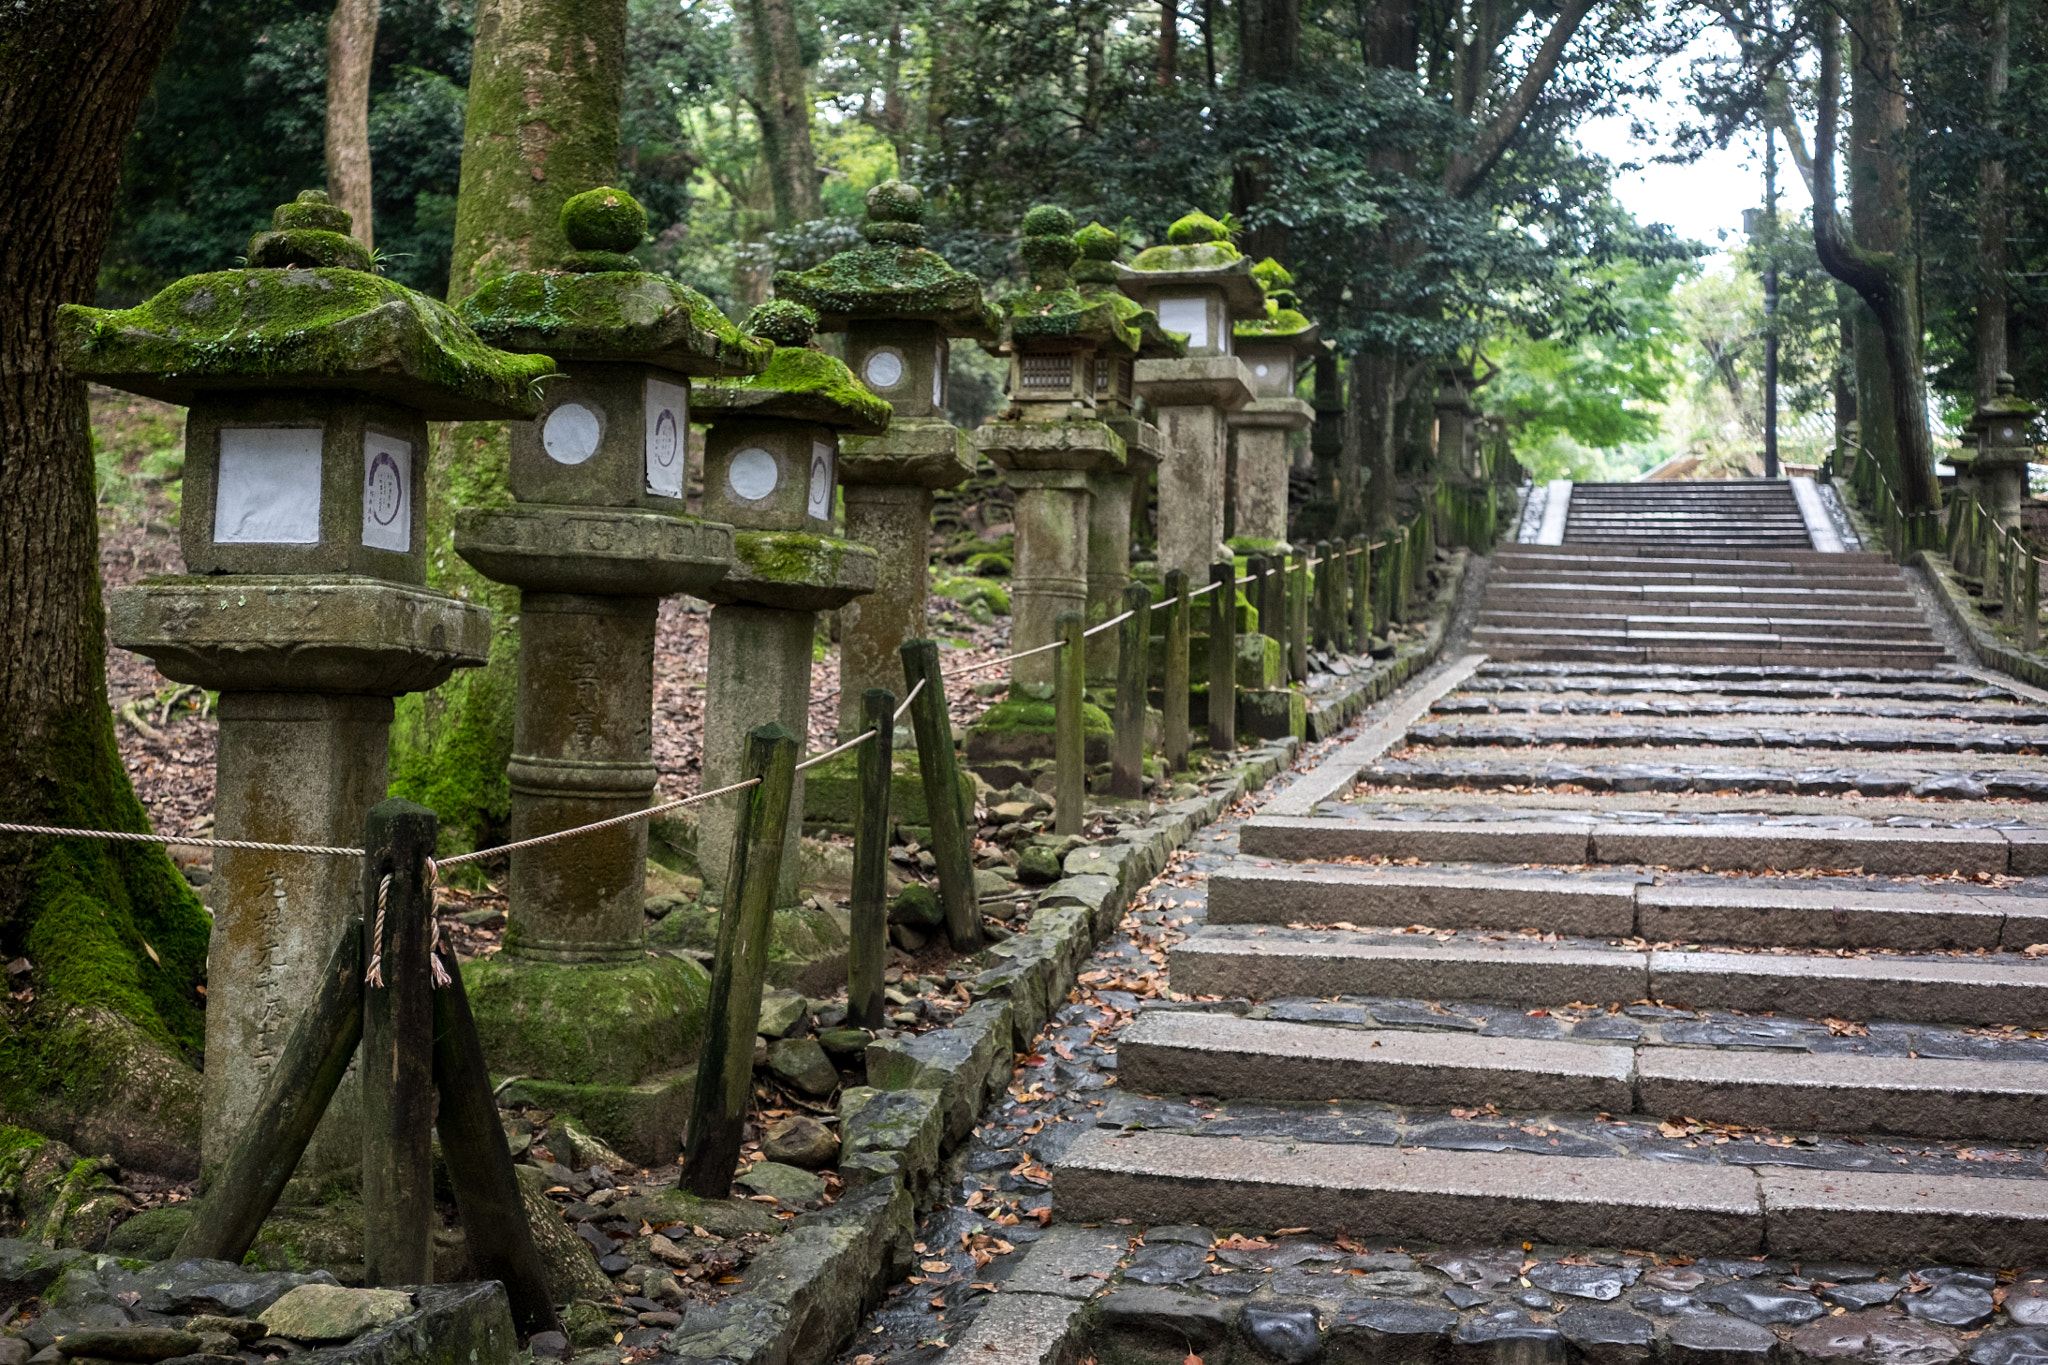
613	552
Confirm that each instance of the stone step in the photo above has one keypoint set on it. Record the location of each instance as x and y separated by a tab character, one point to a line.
1487	1198
1188	1052
1230	962
1790	561
1648	774
1764	626
1504	678
1505	646
1893	609
1731	732
1491	703
1876	850
1747	913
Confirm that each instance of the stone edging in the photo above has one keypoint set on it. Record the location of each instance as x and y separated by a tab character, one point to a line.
807	1292
1991	651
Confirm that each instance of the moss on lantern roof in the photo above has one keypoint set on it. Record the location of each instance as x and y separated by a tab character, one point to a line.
1095	275
1280	324
321	328
893	275
1037	314
1194	242
1272	276
800	385
614	315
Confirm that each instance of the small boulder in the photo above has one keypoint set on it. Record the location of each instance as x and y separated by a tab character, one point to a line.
844	1042
916	905
329	1312
801	1140
801	1062
142	1344
585	1148
1036	866
785	1183
782	1014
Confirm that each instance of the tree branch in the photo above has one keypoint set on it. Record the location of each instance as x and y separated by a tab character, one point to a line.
1471	166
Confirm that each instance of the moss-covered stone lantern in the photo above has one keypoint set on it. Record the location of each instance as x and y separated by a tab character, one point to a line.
594	536
1052	445
310	382
1273	347
770	467
1201	286
2005	443
901	306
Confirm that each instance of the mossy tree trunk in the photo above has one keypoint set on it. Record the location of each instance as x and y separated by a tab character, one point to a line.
99	1056
782	103
542	124
351	43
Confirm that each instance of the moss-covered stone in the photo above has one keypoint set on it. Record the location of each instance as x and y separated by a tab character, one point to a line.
786	322
893	275
153	1234
1197	228
619	314
1020	727
806	945
643	1121
57	1197
324	328
310	231
603	219
610	1023
798	385
312	211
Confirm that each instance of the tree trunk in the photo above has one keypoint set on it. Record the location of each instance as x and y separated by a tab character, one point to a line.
782	103
1991	215
351	43
1876	258
543	124
1268	41
116	938
1166	68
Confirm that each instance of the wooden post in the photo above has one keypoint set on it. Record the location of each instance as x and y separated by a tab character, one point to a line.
398	1047
302	1084
1069	738
1127	745
1174	686
1255	591
1361	595
1297	619
1325	571
725	1062
2030	601
2008	578
1223	657
867	951
1339	569
479	1161
932	723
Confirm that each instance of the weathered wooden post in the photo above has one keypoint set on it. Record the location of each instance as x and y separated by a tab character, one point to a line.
1297	620
932	722
1174	684
1339	569
1325	597
868	907
2030	601
1222	657
1070	762
725	1067
1127	751
1258	592
1279	625
398	1046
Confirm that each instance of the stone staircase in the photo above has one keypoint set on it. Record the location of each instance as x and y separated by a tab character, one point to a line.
1734	514
1692	955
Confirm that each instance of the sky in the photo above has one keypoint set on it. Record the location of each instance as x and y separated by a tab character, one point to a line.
1703	200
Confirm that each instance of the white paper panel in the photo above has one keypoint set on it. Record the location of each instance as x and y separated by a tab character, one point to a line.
753	474
570	434
820	505
268	492
387	492
1186	315
668	426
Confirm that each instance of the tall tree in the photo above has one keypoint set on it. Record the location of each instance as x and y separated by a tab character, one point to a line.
1877	259
1991	209
351	43
117	939
781	100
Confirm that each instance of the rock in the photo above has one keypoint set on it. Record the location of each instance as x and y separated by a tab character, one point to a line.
785	1183
917	905
151	1235
801	1062
782	1014
1462	1297
719	1217
325	1312
1607	1336
1602	1283
15	1351
65	1200
584	1150
799	1140
1675	1279
2026	1303
1515	1337
1287	1333
128	1343
1036	866
1856	1297
212	1324
2026	1346
1768	1307
1404	1282
28	1268
1389	1330
1167	1263
844	1042
1952	1305
548	1345
1479	1269
1880	1338
588	1324
571	1267
1710	1339
992	886
1535	1299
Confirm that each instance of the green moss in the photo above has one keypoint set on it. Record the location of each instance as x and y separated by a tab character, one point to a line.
1207	256
970	590
1271	275
1197	228
800	385
312	211
1067	313
800	939
784	322
792	556
604	220
303	248
895	201
1278	323
1047	220
1019	713
611	1023
614	315
891	280
292	328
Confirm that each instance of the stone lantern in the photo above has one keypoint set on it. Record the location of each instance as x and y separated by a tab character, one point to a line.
1272	346
1112	492
1457	427
770	471
310	382
2005	443
594	537
1201	286
901	307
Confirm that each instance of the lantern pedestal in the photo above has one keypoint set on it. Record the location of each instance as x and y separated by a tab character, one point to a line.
1262	427
1193	399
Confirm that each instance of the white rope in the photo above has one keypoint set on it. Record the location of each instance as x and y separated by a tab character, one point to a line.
625	819
996	663
909	699
861	738
1097	630
375	975
126	837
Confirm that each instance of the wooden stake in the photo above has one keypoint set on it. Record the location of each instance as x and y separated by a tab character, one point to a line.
1361	595
868	907
1223	657
1069	737
1127	751
398	1048
1297	619
932	722
725	1063
1174	687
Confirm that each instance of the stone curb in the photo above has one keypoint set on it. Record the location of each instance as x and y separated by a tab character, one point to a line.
1963	614
808	1291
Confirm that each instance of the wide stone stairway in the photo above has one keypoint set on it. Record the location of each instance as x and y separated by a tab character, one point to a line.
1735	514
1625	952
